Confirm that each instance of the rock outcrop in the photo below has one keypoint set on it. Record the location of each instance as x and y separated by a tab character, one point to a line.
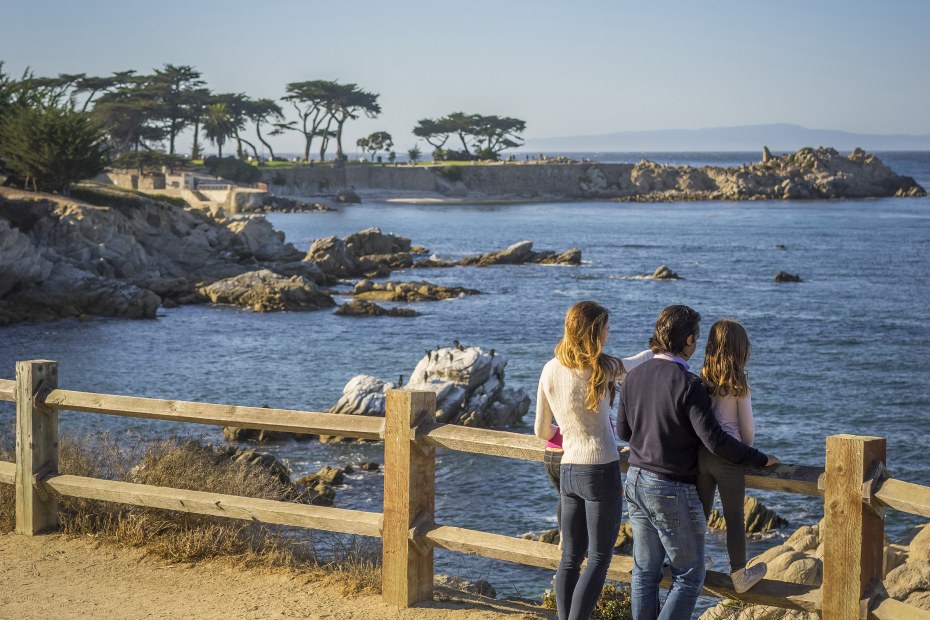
784	276
360	307
481	587
800	560
663	273
122	256
517	254
807	174
521	253
368	253
266	291
469	387
757	517
321	483
408	291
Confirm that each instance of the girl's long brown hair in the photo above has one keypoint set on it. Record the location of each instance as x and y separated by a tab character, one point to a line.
581	348
725	359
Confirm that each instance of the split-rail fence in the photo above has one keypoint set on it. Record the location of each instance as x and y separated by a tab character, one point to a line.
854	484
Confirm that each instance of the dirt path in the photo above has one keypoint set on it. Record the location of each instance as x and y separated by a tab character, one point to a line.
56	577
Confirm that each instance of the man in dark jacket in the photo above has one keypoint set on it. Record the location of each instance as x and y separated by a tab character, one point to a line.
665	414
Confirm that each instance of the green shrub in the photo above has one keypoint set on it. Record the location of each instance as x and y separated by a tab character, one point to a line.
233	169
149	161
452	173
50	148
615	603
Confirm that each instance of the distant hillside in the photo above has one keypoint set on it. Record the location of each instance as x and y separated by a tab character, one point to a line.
778	137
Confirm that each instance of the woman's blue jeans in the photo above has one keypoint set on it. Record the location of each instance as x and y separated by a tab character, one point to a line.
591	508
667	520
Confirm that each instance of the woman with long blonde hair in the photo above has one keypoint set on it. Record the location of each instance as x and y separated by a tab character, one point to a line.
724	377
577	388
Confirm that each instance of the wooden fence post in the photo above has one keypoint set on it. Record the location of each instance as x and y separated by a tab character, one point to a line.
854	528
36	446
409	494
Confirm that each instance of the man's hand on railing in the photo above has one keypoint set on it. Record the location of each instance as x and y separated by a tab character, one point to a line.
773	460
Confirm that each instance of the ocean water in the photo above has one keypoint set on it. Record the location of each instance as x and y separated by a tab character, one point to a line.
844	351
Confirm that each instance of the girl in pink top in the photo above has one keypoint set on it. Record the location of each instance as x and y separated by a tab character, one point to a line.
724	376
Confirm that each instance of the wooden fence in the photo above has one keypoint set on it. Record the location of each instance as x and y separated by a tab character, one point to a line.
855	487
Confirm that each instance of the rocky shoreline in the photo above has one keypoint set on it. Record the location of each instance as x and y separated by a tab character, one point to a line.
126	255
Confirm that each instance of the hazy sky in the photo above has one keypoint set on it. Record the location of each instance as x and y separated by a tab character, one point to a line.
566	68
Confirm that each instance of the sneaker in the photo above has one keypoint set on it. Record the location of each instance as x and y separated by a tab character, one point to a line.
745	578
708	562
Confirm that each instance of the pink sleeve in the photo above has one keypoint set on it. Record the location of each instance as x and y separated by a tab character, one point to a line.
747	426
556	440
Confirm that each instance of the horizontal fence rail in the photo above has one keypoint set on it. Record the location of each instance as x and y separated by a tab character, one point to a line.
218	505
309	422
7	472
8	390
904	497
854	484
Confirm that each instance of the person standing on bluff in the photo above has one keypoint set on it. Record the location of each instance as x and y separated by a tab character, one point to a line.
666	414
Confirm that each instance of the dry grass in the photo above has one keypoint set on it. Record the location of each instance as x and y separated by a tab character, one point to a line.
352	563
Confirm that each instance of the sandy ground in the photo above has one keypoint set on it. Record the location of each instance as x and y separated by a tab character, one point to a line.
55	577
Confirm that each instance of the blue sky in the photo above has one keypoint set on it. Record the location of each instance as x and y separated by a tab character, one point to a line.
566	68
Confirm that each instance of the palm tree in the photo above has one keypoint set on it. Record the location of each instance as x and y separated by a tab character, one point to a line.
218	124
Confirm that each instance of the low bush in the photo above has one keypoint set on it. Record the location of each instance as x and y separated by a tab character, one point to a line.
615	603
233	169
452	173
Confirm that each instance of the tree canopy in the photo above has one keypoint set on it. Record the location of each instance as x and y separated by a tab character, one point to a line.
488	135
50	147
377	141
148	113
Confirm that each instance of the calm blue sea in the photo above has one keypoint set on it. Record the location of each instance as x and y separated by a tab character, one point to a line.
842	352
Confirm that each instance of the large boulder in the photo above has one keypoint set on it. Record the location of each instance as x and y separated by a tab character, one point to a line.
469	387
363	395
260	240
758	518
333	257
663	272
369	253
784	276
266	291
372	241
800	560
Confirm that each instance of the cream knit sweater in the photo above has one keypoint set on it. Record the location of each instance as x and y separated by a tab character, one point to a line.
588	437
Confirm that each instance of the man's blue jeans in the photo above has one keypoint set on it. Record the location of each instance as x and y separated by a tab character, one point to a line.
667	520
591	507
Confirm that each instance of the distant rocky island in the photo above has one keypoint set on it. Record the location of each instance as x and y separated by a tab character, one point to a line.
808	174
